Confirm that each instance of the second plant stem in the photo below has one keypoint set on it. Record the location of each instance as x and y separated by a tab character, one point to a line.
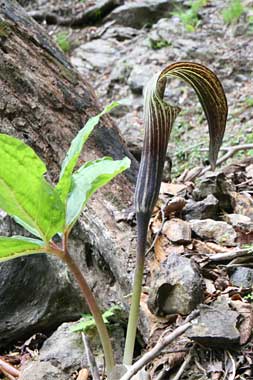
95	311
142	228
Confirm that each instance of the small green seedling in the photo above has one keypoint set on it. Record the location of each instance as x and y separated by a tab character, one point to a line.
88	323
158	44
63	41
233	12
190	17
46	211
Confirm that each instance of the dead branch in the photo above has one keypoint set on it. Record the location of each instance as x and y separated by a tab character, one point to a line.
224	256
183	366
8	369
231	150
157	349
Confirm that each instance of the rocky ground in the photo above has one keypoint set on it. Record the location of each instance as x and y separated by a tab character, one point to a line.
202	228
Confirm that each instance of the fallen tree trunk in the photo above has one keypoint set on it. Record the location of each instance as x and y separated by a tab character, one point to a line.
45	102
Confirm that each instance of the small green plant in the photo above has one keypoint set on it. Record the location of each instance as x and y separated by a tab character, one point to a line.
46	211
88	323
63	41
158	44
249	101
233	12
190	18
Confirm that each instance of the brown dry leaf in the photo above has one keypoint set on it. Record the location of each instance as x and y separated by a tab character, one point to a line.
246	326
202	248
160	247
83	374
218	248
162	250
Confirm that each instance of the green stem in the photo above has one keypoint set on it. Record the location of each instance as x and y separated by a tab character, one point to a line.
102	330
142	228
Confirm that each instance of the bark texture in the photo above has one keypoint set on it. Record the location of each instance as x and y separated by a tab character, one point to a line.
45	102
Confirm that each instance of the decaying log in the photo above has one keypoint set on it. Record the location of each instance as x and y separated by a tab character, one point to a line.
44	102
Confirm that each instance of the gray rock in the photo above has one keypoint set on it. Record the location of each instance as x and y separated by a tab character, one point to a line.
178	231
63	352
41	297
220	187
44	293
97	54
216	325
64	349
137	14
238	220
220	232
120	33
242	277
139	77
205	209
37	370
176	287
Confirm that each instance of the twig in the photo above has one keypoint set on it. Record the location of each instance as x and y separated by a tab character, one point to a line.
183	366
7	375
233	365
156	350
90	358
8	369
230	255
230	152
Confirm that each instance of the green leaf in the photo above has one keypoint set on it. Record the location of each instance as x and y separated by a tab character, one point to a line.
87	180
17	246
24	192
87	322
74	152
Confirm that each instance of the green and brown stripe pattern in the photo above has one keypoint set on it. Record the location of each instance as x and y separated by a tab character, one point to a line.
160	116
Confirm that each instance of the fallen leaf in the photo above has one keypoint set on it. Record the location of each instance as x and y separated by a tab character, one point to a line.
246	325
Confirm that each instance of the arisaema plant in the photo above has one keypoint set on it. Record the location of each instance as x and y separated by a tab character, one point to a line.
45	210
159	117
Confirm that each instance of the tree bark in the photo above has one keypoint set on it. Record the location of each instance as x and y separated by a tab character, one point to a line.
44	102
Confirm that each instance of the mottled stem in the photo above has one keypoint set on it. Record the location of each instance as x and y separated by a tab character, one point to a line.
142	228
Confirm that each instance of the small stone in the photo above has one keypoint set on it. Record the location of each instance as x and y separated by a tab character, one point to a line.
242	277
177	231
205	209
243	204
139	77
37	370
138	13
97	54
216	325
220	187
177	287
237	219
219	232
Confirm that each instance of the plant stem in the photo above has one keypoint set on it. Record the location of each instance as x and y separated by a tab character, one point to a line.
142	228
102	330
